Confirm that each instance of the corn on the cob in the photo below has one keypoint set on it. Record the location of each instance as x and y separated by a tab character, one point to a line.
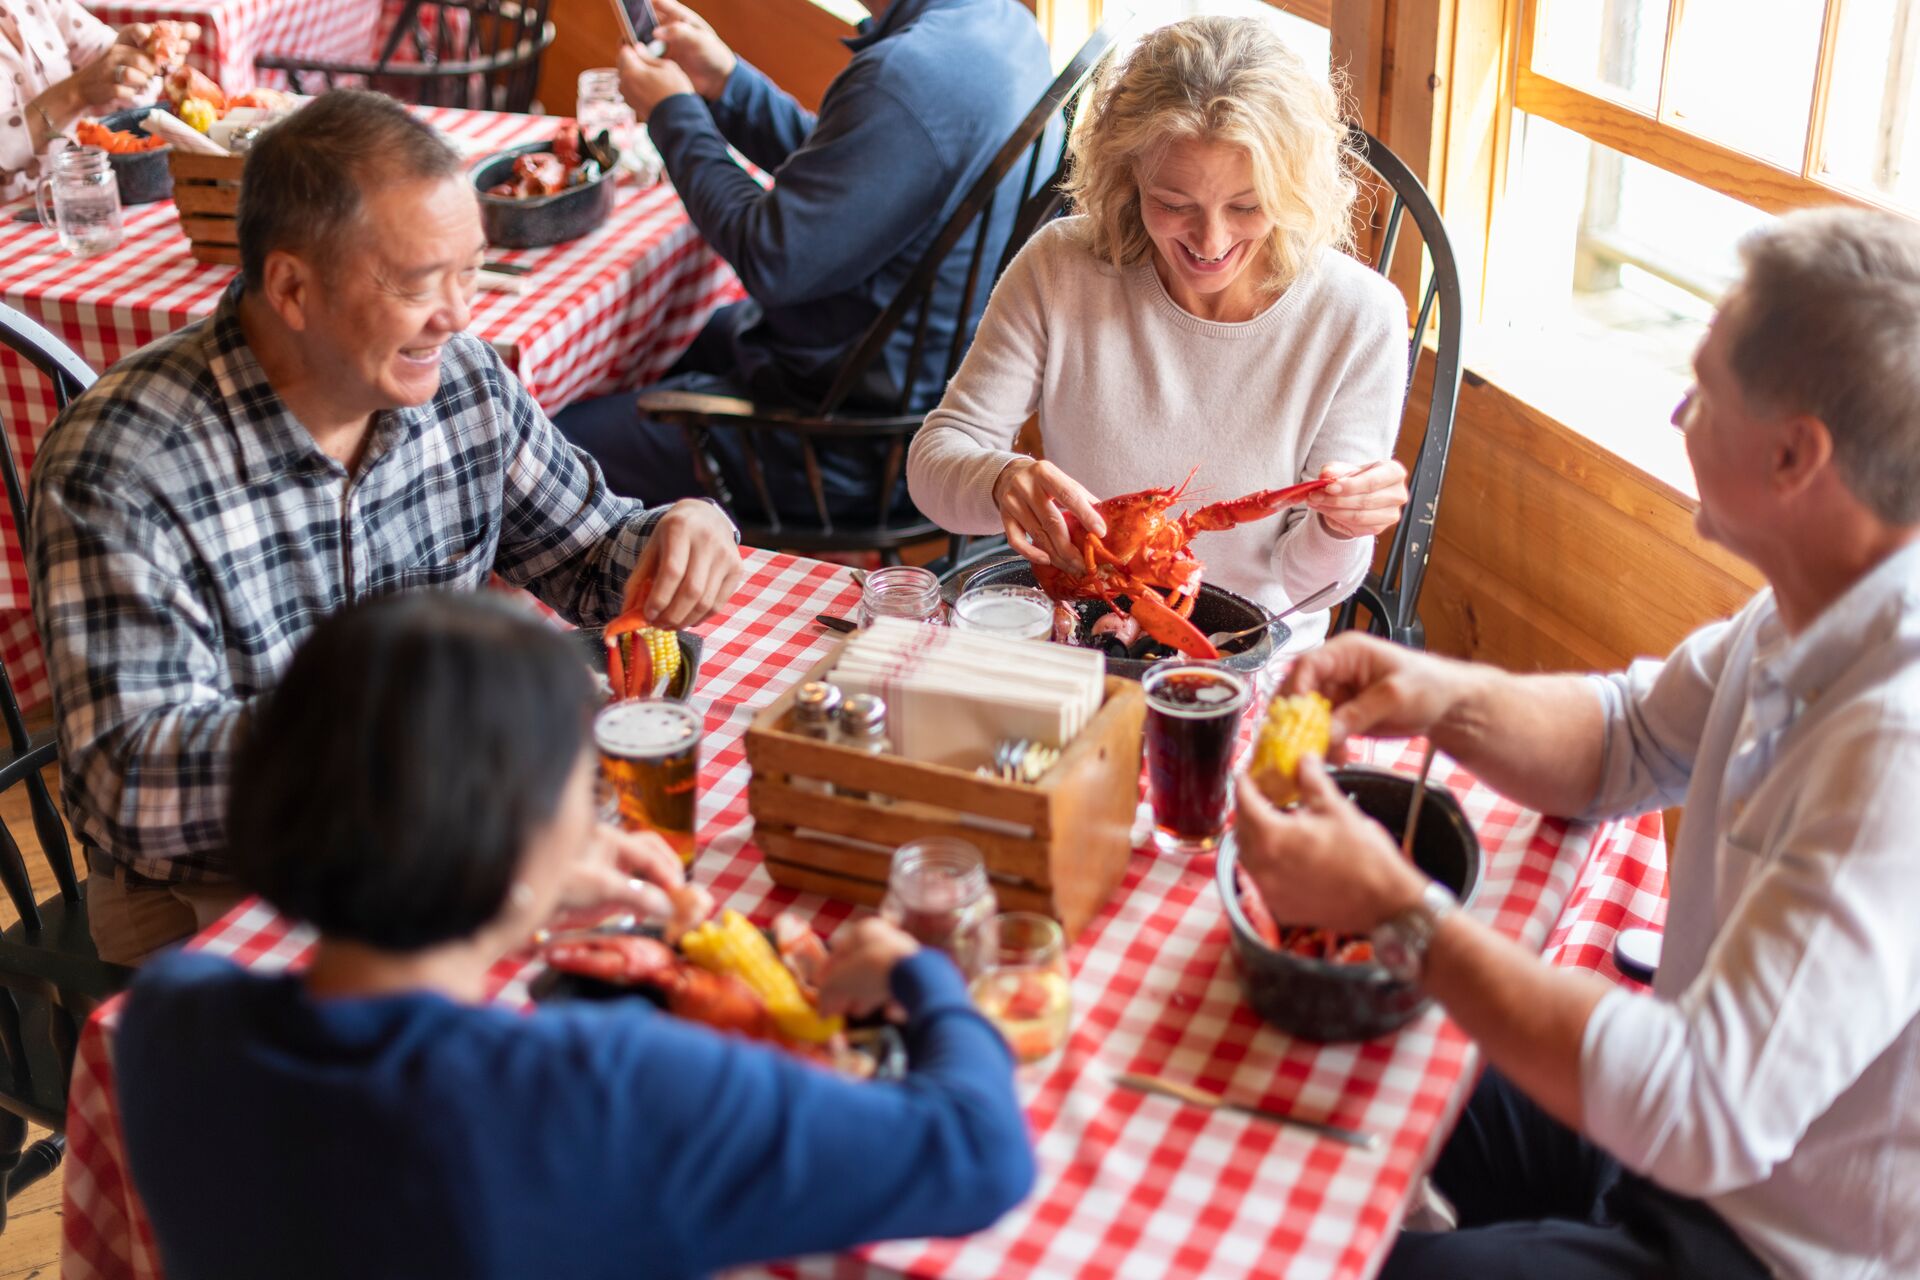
664	646
732	945
1293	727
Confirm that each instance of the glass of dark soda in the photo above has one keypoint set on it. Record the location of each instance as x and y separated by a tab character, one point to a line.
1193	722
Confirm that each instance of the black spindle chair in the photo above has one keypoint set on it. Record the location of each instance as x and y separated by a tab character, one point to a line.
1042	153
51	977
483	55
1390	598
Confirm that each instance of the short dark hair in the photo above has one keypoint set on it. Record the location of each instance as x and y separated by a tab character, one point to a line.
386	790
302	188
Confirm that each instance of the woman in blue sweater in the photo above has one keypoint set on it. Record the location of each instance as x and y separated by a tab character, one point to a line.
418	788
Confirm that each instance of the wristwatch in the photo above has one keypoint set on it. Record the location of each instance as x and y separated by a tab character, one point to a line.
1400	942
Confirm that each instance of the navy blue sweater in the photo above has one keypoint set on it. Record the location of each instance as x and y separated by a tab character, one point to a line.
272	1134
934	89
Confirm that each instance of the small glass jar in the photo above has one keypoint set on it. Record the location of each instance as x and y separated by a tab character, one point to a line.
902	591
937	891
599	105
81	202
1022	985
1013	613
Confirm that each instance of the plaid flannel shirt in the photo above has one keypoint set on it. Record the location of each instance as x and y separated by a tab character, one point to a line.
187	534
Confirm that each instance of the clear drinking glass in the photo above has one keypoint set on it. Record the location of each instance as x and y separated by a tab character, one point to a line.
937	891
1193	725
1016	613
903	591
1022	986
85	198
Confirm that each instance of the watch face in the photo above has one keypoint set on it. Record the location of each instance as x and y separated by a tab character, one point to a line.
1391	949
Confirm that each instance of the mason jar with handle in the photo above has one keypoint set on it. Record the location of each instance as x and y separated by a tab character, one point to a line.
85	202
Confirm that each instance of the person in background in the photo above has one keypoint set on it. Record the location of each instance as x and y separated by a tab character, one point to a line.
858	194
1197	313
374	1116
1759	1113
58	63
330	433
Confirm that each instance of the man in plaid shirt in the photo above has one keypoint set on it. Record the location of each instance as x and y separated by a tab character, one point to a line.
329	434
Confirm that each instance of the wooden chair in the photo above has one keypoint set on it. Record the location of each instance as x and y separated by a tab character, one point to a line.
1391	597
51	977
483	55
1043	153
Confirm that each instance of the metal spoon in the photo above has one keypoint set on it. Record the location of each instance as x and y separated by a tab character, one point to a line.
1413	810
1219	638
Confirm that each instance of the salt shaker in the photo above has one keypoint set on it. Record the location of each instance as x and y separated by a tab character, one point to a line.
814	710
863	727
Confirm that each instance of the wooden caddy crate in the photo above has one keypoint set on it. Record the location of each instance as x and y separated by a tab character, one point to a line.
206	191
1059	846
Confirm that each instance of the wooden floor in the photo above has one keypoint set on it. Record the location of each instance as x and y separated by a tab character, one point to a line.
31	1244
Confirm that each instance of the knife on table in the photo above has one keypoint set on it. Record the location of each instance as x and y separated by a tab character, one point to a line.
1206	1098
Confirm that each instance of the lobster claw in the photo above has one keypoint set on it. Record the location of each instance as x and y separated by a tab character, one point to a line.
1159	620
1252	506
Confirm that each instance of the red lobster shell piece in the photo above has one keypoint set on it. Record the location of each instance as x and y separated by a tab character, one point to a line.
1144	554
166	44
632	675
719	1000
623	959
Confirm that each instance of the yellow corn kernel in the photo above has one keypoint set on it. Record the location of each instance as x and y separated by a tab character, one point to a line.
663	647
1294	726
732	945
198	112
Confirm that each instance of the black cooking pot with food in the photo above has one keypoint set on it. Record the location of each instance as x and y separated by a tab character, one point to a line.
1216	609
1328	1000
143	176
512	222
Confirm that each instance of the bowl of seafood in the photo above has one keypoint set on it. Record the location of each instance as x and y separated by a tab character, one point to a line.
543	193
138	158
1130	649
725	974
1323	986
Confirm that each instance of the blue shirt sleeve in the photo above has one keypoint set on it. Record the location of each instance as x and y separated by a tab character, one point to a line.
760	119
866	181
763	1156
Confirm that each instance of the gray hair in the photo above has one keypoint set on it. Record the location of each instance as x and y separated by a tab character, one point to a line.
302	189
1827	321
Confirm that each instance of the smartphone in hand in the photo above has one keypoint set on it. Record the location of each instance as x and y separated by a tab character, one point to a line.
637	20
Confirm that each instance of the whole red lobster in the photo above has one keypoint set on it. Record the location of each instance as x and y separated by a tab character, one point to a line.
1144	553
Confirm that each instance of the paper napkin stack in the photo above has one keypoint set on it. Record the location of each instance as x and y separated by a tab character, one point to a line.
953	695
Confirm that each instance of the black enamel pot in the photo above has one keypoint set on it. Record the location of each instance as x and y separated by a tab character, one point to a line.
691	648
143	175
1319	999
538	220
1216	609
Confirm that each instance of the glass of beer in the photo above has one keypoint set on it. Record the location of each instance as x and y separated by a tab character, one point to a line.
650	752
1193	721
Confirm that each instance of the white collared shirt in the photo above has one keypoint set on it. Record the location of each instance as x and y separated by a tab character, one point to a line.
1776	1075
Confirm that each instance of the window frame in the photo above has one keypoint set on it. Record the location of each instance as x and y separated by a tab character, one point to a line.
1658	139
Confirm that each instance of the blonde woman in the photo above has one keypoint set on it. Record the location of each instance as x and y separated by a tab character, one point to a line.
1198	312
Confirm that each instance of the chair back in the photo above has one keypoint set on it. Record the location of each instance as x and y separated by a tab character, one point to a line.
1391	596
1042	149
482	55
26	755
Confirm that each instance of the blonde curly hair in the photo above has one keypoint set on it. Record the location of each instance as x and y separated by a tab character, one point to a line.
1215	79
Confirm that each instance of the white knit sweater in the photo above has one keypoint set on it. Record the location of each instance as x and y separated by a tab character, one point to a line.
1132	392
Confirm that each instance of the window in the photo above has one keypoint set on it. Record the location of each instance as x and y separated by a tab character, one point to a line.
1648	136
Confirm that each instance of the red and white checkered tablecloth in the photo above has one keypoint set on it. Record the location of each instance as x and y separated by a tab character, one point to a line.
234	32
612	309
1129	1185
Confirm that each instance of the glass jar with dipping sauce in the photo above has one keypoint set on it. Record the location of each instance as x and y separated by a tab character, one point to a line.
1016	613
1022	985
650	752
937	891
902	591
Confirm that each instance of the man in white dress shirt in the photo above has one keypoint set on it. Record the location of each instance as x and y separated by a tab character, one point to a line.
1759	1113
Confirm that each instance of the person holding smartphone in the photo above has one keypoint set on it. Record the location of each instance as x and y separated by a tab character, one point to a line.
859	192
